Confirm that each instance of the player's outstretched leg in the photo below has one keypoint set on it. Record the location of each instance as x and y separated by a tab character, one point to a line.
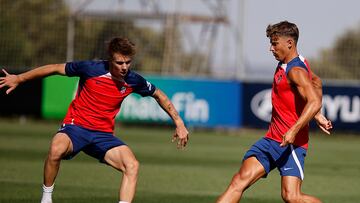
123	159
251	170
291	191
60	146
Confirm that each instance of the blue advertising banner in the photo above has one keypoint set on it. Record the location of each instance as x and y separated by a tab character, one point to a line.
200	102
257	104
341	104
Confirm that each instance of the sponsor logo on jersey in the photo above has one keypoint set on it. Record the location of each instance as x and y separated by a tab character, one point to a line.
148	84
279	77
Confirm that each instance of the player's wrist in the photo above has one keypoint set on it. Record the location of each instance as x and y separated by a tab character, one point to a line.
179	123
20	79
317	116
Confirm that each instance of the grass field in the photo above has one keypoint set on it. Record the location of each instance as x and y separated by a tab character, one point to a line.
167	175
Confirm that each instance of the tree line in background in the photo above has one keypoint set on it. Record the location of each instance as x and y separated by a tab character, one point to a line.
23	44
342	60
34	33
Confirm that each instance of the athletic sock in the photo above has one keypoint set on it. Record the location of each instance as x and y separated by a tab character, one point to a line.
47	193
123	202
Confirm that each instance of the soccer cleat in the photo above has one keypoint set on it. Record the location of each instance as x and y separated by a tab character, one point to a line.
46	201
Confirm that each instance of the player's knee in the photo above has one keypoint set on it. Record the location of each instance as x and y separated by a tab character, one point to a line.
59	147
240	181
56	152
132	168
290	197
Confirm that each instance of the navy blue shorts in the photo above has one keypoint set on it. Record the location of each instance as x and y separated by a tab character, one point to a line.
93	143
288	160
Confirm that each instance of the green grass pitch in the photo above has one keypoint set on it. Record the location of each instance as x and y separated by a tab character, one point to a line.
167	175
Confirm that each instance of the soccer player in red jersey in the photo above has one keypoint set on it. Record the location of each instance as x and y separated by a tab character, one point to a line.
89	123
296	99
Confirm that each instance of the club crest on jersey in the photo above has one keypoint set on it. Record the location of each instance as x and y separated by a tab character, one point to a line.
279	78
123	90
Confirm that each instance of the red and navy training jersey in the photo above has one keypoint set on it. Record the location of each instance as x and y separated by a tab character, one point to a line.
287	104
99	95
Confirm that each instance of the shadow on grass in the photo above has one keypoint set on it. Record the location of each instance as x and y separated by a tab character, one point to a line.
17	192
186	198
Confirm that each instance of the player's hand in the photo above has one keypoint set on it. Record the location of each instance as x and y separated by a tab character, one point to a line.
11	81
288	138
181	137
324	124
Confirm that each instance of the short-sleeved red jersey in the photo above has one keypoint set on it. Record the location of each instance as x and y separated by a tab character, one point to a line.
287	104
99	95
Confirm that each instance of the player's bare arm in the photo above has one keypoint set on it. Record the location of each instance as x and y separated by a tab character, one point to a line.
324	124
317	83
299	78
181	133
12	81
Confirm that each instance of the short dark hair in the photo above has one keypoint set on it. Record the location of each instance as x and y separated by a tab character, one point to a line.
283	28
121	45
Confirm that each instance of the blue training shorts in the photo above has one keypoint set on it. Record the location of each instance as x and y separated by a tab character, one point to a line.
93	143
289	160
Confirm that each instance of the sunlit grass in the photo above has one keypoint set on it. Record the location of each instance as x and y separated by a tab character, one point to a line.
195	175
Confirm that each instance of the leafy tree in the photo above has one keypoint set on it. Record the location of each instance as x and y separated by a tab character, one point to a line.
342	60
34	32
149	43
38	32
11	47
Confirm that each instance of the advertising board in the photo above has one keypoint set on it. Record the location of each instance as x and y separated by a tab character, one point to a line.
200	102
